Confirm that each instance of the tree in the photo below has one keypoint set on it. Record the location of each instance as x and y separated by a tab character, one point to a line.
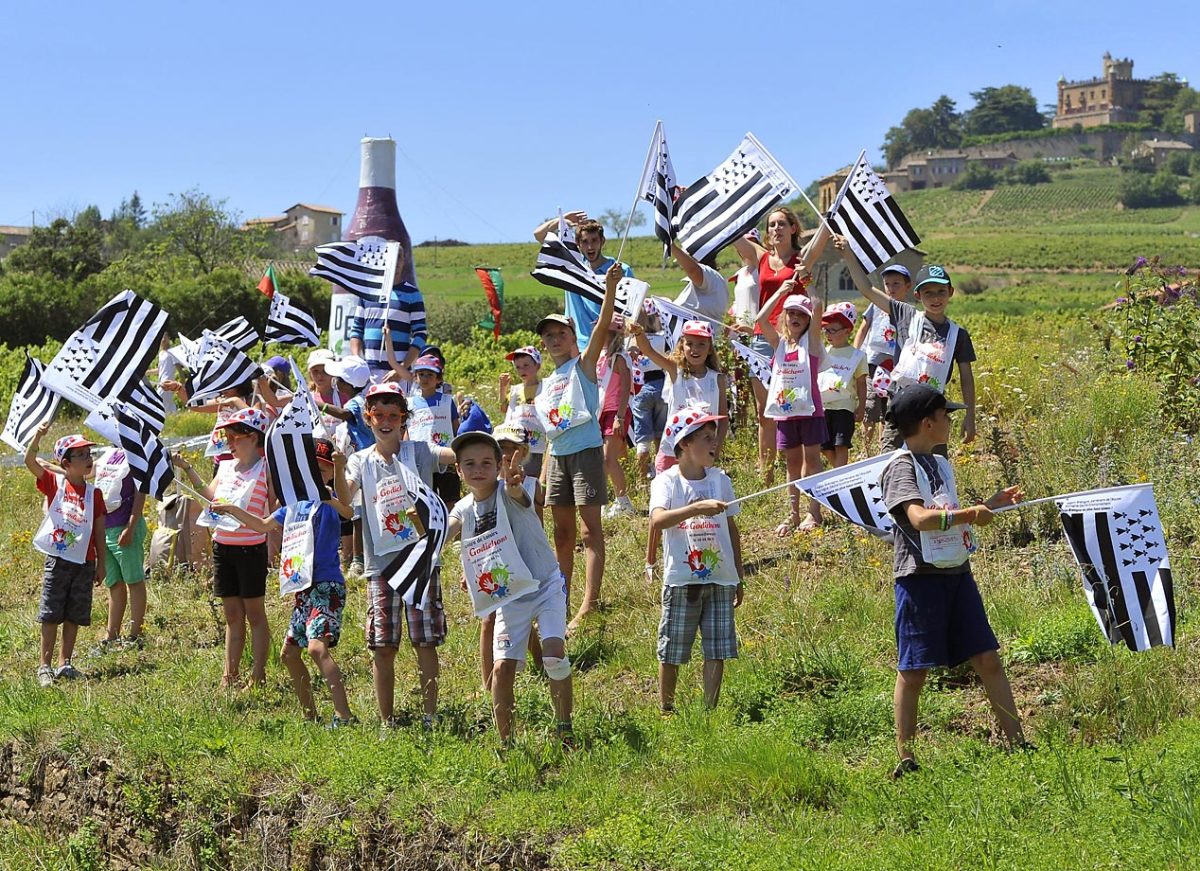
1159	99
936	127
195	226
614	220
1027	172
976	177
65	250
1007	109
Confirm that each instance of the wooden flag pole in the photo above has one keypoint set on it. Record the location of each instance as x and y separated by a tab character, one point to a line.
638	196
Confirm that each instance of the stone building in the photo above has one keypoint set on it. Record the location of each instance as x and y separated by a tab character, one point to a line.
1159	150
941	168
303	226
1113	98
12	237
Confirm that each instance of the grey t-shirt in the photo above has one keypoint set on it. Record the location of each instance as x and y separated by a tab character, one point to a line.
528	532
374	564
902	317
711	297
899	484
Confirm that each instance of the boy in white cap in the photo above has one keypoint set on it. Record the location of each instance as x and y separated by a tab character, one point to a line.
702	555
518	401
843	382
71	536
510	569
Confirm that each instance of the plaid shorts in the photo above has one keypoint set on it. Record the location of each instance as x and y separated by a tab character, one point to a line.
707	607
317	614
384	606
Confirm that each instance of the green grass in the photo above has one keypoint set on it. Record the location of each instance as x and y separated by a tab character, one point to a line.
790	770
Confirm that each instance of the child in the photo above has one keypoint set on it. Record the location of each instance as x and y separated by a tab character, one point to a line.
568	408
71	535
877	337
614	369
309	568
793	400
323	389
648	404
433	418
240	553
519	407
929	342
125	548
693	377
373	473
940	620
350	375
499	528
843	383
702	555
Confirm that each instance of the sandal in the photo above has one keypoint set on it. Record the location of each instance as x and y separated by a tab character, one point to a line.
808	524
786	529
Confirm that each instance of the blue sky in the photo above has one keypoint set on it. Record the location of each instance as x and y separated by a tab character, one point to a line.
502	111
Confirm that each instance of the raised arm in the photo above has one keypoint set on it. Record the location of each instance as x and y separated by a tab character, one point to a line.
689	264
664	362
599	335
861	281
749	251
32	463
573	218
816	347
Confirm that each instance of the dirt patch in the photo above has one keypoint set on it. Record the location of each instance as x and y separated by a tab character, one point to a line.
128	823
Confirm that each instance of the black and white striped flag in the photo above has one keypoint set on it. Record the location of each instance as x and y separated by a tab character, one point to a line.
659	186
561	266
759	365
1117	539
145	403
219	366
149	461
238	333
731	199
108	354
292	455
854	492
291	323
32	405
865	213
409	572
365	268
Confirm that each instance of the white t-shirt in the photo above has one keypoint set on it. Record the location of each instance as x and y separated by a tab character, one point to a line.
714	485
849	362
710	298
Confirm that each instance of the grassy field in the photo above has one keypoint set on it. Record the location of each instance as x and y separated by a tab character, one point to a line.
146	762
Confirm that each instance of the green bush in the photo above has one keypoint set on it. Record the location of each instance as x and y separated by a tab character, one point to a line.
1027	172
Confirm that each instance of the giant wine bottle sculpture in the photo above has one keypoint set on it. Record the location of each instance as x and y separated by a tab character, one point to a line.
376	212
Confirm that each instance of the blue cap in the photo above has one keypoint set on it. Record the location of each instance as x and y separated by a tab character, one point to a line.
896	267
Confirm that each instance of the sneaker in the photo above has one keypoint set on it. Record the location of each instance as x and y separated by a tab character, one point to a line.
624	505
66	671
356	568
907	765
45	676
134	642
565	735
429	721
338	723
105	647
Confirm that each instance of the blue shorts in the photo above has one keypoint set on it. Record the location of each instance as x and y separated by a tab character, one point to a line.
940	621
649	412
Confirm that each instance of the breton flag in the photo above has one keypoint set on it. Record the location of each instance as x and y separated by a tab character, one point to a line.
219	366
366	268
560	265
854	492
32	405
673	316
109	354
292	455
731	199
145	403
291	323
238	333
659	185
149	461
865	213
759	364
1117	539
267	285
409	572
318	420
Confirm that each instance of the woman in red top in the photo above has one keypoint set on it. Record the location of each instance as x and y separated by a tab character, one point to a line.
776	263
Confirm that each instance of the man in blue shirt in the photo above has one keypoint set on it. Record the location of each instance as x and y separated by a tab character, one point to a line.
589	236
405	316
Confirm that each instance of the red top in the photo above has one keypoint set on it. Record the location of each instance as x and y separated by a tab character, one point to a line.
770	281
48	486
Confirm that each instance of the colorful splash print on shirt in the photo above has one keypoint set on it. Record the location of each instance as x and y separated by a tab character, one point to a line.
398	526
290	566
560	418
64	539
494	582
785	398
703	562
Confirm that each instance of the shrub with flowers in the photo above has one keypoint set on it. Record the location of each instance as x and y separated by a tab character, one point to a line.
1155	330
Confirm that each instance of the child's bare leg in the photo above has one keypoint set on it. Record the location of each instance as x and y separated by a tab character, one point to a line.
565	534
327	665
811	466
668	676
260	637
69	633
999	692
503	702
427	671
118	596
301	683
714	670
383	673
235	638
904	708
562	692
794	460
841	456
535	648
137	608
486	662
49	639
614	452
593	554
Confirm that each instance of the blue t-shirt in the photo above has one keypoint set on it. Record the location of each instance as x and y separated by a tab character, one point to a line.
360	433
475	421
327	538
583	311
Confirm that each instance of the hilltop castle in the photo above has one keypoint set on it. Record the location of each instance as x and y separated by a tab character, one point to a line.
1114	98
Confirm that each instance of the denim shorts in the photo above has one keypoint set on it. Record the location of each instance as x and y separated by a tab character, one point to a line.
649	412
940	621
